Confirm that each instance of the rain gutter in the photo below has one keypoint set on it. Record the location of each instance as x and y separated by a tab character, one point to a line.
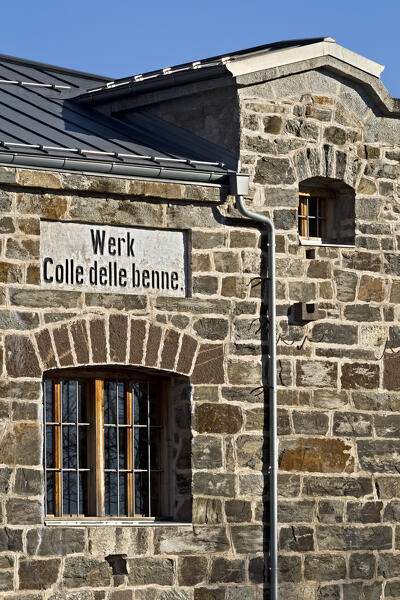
156	172
239	188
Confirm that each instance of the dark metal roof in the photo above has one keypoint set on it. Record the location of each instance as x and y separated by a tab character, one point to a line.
42	125
48	119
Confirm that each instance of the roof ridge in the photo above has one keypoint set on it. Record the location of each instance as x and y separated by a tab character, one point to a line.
211	61
56	68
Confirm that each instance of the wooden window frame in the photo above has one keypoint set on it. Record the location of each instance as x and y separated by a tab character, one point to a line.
324	218
96	434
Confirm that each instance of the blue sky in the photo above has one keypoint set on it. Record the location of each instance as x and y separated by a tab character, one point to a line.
124	37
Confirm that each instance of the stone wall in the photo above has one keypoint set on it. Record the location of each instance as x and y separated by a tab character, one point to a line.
204	338
339	409
339	401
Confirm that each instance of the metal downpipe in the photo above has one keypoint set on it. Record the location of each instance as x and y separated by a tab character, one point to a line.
273	439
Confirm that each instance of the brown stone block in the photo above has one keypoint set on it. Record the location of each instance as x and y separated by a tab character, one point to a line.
325	567
233	286
43	298
38	574
33	275
316	455
21	444
107	185
144	571
170	349
23	511
81	342
46	351
203	593
247	539
244	372
391	372
112	211
200	541
209	367
207	511
366	186
25	411
20	357
118	330
153	345
218	418
29	226
27	249
80	571
50	207
10	273
339	537
296	538
7	225
225	570
154	189
192	570
249	451
51	541
39	179
120	302
63	346
360	376
312	373
7	581
186	354
138	333
29	390
98	340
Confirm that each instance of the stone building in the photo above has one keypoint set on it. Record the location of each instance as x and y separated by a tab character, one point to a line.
134	329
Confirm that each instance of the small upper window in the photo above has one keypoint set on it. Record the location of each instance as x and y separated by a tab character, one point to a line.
313	214
326	212
105	445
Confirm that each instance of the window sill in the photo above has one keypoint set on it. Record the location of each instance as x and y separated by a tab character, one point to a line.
112	522
319	242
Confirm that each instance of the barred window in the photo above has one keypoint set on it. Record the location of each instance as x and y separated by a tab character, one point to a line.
326	213
313	214
105	435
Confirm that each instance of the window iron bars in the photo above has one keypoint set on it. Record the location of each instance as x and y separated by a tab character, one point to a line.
130	393
311	215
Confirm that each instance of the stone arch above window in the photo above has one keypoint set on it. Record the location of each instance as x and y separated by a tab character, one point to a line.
114	339
326	212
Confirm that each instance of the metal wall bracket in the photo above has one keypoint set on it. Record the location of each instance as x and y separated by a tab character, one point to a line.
303	312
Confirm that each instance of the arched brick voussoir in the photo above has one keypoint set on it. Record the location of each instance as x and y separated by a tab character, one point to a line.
118	337
20	357
63	346
187	353
136	342
98	340
45	348
151	354
334	162
81	341
169	349
209	366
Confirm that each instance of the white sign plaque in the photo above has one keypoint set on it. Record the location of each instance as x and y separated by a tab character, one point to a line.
104	258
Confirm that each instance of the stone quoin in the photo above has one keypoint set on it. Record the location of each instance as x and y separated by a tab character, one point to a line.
134	391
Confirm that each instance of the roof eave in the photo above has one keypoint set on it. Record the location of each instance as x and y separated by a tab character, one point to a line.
110	168
152	83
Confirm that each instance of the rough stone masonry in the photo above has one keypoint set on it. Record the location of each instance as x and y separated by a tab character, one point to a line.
339	401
